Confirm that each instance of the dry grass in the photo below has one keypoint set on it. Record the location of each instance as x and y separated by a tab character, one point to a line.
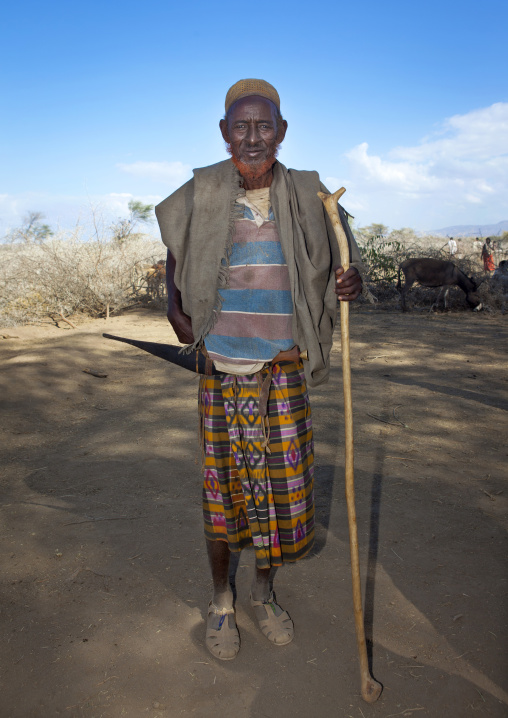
66	275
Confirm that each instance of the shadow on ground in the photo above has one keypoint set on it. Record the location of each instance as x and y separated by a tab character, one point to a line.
106	580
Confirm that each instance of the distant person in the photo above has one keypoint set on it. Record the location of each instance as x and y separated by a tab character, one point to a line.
452	246
488	256
477	245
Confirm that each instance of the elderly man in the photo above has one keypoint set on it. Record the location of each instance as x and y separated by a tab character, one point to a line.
253	275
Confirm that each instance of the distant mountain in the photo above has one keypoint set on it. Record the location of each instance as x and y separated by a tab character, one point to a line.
472	230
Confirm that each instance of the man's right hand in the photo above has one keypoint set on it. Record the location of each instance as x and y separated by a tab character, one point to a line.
180	321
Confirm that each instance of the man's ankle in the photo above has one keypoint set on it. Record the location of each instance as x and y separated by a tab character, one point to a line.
260	591
223	599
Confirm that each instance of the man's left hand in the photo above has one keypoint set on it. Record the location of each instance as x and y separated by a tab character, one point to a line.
348	285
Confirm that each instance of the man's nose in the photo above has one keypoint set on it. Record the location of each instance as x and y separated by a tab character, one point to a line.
253	135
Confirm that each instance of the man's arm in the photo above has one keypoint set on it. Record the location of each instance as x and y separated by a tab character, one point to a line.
180	321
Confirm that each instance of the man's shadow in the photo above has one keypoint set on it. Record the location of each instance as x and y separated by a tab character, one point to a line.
324	488
324	495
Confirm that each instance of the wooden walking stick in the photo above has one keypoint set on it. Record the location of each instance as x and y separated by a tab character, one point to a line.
371	689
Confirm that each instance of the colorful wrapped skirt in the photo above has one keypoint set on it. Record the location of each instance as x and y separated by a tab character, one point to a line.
258	470
488	262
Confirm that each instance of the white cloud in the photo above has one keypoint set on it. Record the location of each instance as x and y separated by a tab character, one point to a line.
64	211
458	175
172	174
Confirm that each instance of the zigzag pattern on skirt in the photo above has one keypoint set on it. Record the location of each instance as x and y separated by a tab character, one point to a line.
254	494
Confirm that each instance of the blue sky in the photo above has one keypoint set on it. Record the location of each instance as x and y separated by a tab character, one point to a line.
405	104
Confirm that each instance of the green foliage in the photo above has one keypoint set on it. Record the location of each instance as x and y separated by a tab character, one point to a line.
382	258
32	230
383	251
139	212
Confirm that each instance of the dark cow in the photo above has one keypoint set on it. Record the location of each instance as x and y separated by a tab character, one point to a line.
502	271
436	273
499	280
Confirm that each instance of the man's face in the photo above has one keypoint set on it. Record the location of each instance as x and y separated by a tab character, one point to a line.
251	131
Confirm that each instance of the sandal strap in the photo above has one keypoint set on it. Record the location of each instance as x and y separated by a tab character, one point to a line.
270	599
212	608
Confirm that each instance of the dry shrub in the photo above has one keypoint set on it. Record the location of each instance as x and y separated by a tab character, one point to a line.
67	275
385	253
494	294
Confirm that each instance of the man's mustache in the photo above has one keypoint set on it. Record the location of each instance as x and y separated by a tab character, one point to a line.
273	151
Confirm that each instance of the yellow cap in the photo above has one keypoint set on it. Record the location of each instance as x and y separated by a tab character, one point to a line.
244	88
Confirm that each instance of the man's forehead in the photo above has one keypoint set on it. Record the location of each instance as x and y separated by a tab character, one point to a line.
252	107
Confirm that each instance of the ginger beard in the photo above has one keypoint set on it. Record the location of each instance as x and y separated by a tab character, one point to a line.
254	171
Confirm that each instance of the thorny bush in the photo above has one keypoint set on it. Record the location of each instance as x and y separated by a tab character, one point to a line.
383	253
68	275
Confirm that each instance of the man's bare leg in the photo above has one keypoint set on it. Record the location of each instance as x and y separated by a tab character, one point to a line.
261	584
222	637
218	556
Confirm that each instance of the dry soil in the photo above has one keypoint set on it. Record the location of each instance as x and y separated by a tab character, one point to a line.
105	581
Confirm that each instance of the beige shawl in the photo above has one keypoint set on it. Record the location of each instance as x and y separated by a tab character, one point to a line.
197	225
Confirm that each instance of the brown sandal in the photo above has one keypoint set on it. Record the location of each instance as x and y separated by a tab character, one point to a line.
223	642
273	621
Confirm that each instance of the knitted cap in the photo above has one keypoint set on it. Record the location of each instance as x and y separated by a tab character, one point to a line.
244	88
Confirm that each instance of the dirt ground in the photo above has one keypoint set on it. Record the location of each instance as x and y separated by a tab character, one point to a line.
105	582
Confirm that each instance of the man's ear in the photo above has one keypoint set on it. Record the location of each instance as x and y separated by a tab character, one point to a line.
224	130
282	131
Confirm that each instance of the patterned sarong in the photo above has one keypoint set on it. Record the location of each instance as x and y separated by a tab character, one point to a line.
253	495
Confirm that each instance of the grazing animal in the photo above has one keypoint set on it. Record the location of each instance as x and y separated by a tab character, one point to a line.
502	270
156	279
436	273
499	279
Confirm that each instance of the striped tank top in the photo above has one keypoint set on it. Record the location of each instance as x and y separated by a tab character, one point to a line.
255	322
